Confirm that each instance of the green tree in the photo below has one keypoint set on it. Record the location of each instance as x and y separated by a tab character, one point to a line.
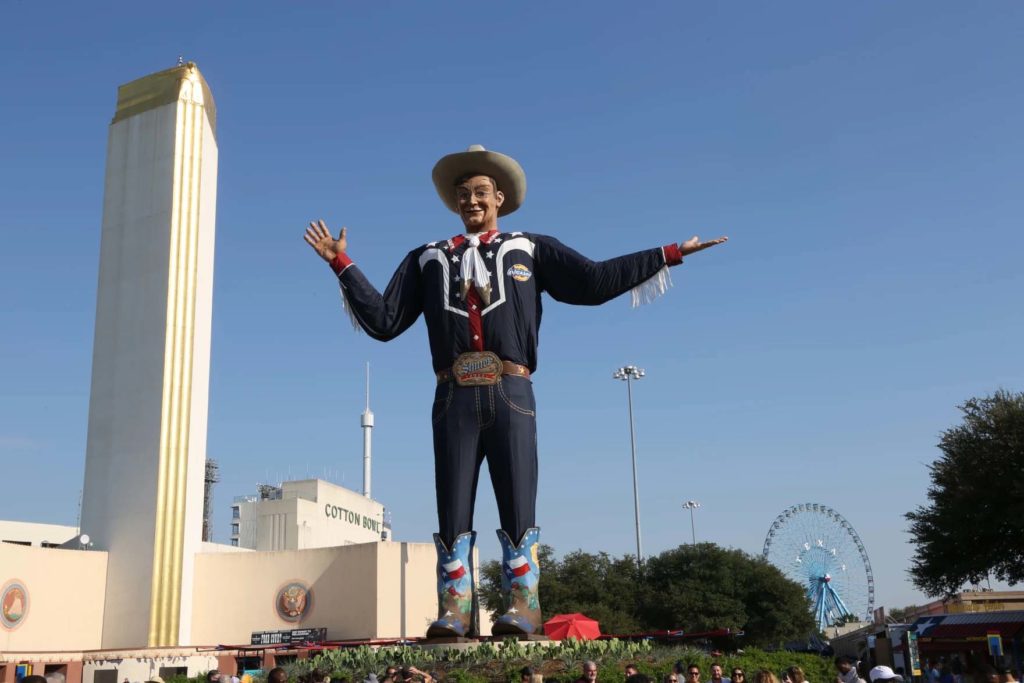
691	588
705	587
600	586
973	525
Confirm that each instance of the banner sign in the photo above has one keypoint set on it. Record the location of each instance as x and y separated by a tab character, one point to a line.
995	643
295	636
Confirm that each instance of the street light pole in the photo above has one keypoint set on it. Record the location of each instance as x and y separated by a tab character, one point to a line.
692	505
628	374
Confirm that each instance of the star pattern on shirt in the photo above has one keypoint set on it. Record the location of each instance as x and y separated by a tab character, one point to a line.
455	258
457	278
490	254
516	234
496	240
513	610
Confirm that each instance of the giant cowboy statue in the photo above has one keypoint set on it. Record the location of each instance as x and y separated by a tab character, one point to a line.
480	295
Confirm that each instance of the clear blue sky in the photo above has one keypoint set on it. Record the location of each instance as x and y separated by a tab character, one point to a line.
864	158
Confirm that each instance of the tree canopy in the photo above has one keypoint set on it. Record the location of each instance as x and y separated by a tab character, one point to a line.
690	588
973	524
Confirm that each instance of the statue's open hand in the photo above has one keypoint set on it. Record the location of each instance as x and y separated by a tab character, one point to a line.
319	237
693	245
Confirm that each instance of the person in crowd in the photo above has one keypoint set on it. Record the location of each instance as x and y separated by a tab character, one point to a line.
957	667
716	674
370	678
795	674
211	677
692	673
411	674
391	675
638	678
765	676
1006	676
277	675
737	675
631	670
673	677
526	674
846	668
932	671
884	674
589	672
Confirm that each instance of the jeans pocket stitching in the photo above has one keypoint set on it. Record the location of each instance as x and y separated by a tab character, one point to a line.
510	404
447	403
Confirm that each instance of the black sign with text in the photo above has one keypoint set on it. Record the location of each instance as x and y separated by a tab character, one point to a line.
295	636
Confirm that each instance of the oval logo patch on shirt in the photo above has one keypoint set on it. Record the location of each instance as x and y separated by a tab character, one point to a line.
520	273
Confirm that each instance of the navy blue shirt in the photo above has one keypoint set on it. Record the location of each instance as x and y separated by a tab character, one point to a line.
521	266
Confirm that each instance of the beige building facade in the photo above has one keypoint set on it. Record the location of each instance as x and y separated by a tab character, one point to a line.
368	591
310	513
36	534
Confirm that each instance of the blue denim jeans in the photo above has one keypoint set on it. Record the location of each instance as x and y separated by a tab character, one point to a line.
496	423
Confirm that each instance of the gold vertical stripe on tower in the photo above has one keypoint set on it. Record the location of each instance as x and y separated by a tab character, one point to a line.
168	551
156	609
192	253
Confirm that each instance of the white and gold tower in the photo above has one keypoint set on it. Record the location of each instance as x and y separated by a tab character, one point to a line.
146	451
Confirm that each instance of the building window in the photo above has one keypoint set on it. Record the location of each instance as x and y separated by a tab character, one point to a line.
234	542
234	529
235	513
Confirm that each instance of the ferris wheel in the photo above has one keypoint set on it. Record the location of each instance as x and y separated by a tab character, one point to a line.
815	546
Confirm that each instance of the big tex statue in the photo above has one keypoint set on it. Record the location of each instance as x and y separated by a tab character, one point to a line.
480	293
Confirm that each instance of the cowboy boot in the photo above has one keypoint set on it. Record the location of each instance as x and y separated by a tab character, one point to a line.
520	579
455	598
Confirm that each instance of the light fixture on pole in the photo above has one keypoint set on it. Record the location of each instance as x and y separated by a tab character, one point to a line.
692	505
627	374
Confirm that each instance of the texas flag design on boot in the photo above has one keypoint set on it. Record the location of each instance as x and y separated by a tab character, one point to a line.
520	579
518	566
454	570
454	588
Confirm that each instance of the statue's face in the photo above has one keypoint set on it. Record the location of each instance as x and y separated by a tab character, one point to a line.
478	203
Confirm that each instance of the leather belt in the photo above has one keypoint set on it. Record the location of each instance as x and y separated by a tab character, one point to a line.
507	368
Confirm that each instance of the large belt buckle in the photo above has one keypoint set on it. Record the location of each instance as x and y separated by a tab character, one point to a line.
477	369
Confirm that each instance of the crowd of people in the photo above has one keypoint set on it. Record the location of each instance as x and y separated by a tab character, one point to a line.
935	671
848	670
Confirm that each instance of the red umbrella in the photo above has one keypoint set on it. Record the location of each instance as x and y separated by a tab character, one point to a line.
562	626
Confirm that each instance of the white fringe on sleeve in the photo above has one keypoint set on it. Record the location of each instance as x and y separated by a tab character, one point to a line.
652	288
348	309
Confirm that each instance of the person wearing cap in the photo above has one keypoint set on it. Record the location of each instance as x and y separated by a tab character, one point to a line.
480	294
884	674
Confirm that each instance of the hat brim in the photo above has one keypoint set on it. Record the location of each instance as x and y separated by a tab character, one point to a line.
505	170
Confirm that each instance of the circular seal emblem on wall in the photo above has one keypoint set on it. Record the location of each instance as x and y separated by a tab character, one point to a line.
13	604
293	602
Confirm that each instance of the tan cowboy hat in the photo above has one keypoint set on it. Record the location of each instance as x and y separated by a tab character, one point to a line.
504	169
